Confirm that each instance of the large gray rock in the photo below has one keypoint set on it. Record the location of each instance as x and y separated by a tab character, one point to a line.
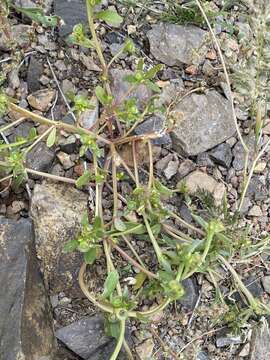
34	72
57	210
25	322
71	12
86	338
260	343
120	88
175	44
202	122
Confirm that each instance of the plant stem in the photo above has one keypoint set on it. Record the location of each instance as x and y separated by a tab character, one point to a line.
133	262
186	224
14	123
135	164
247	182
157	249
58	124
120	341
90	297
42	136
151	166
133	250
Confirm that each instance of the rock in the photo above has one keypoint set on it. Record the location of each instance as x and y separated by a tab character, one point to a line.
40	158
239	153
266	283
260	167
42	99
260	343
170	92
257	189
171	169
245	350
223	341
57	210
21	33
65	160
246	205
72	14
266	128
88	118
255	211
25	322
120	88
190	298
115	49
185	168
34	72
203	160
175	44
87	339
204	121
14	80
89	63
22	130
69	144
222	155
161	163
202	356
199	180
145	349
154	124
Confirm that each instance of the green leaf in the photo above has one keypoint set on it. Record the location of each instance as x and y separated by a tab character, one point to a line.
112	328
119	224
110	284
101	95
110	17
84	179
140	279
90	256
32	133
37	15
51	138
152	86
70	246
129	46
152	72
84	219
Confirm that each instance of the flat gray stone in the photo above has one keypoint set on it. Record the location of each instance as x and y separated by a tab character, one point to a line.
191	293
40	158
25	322
34	72
203	121
175	44
260	344
222	155
71	12
154	124
57	210
86	338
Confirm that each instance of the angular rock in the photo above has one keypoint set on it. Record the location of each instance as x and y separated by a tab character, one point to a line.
120	88
72	14
34	72
199	180
87	339
42	99
19	32
145	349
223	341
175	44
154	124
25	323
239	152
255	211
171	169
260	343
190	298
222	155
257	189
40	158
57	210
88	118
204	121
266	283
185	168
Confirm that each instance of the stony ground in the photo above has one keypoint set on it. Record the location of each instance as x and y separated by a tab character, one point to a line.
203	149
